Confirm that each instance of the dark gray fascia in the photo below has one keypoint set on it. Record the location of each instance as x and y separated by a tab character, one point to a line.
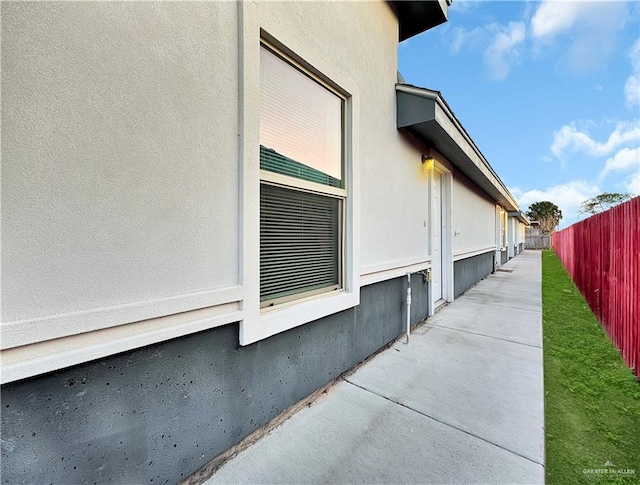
425	115
417	17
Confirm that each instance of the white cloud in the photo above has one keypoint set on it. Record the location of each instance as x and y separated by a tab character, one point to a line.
571	139
457	40
546	159
622	146
591	27
634	55
567	197
552	18
632	86
632	91
500	45
503	49
632	184
516	192
625	159
468	38
463	6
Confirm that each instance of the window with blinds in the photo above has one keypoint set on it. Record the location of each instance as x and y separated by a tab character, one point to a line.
302	190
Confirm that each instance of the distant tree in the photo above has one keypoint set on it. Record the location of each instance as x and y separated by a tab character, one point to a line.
603	202
547	214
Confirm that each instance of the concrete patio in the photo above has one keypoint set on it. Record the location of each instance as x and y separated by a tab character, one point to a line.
462	403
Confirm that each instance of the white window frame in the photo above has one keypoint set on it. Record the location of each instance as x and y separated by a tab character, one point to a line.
300	185
259	324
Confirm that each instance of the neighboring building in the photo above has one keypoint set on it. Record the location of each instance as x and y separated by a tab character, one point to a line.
209	210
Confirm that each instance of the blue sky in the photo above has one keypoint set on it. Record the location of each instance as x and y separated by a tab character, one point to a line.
549	91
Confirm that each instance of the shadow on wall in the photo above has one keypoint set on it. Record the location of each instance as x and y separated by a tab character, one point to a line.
467	272
159	413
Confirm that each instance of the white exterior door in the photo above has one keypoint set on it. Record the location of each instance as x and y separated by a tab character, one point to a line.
436	237
511	227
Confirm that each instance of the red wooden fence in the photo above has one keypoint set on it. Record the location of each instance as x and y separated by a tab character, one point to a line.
602	255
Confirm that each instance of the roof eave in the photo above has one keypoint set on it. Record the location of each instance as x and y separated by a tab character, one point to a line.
521	217
425	114
415	17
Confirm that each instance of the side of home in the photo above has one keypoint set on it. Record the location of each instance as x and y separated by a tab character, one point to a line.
209	211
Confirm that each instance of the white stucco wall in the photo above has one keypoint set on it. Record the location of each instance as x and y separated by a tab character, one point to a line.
130	168
353	47
126	164
119	160
360	39
395	202
474	219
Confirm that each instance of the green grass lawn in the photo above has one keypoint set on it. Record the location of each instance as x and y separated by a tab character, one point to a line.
592	399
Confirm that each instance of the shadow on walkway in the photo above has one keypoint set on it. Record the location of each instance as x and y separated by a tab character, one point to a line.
462	403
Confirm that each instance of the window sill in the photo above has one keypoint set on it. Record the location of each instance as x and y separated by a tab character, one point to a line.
279	319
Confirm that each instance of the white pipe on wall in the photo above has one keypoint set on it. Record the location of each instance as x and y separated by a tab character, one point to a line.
408	305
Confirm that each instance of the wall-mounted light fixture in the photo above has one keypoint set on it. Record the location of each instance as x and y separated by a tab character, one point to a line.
428	161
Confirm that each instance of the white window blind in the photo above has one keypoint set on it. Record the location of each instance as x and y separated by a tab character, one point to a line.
299	118
299	242
301	235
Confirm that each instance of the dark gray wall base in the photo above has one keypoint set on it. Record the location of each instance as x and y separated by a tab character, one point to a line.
520	247
157	414
503	257
467	272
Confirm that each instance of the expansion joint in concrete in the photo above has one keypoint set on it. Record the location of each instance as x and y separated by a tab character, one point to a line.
435	325
445	423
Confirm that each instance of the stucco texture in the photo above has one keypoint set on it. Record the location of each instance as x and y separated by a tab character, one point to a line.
361	40
157	414
473	218
119	153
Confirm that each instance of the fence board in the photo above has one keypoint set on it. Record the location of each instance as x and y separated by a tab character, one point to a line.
535	240
602	255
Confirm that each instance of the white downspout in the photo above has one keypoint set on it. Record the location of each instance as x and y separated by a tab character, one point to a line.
408	305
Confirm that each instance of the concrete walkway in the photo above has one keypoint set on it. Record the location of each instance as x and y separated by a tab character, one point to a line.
462	403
